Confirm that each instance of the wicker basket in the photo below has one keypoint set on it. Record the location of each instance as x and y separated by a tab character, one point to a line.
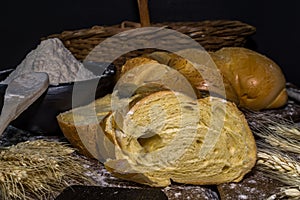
211	34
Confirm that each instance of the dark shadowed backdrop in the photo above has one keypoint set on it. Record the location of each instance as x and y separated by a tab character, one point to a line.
23	23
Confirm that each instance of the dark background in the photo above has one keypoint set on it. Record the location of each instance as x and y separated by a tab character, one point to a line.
23	23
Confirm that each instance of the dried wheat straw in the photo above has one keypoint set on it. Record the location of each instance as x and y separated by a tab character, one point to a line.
39	170
278	132
291	193
278	165
276	137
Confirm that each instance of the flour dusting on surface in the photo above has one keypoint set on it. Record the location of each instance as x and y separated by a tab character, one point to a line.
242	196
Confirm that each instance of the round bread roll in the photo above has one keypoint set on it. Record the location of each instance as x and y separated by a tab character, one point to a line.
162	57
170	136
134	62
257	80
145	75
194	71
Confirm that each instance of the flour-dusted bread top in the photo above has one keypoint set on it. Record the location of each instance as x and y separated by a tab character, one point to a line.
168	136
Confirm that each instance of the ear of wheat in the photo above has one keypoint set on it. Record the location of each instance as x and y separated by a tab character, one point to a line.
291	193
281	133
278	165
39	170
277	138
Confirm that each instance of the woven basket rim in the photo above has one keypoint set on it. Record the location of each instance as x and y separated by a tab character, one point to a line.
127	25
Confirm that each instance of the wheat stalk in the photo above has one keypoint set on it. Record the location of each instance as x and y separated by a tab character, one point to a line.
277	136
291	193
283	168
276	131
39	170
287	130
278	165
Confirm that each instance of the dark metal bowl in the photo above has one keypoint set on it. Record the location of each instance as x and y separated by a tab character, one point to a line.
40	117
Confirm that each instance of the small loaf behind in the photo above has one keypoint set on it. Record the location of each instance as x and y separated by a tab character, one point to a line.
257	80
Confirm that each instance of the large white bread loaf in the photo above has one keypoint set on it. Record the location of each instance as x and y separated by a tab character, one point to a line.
168	136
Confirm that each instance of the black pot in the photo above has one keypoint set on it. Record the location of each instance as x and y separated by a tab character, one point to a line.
40	117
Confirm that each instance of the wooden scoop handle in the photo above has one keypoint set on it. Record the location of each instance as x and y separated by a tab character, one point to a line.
144	12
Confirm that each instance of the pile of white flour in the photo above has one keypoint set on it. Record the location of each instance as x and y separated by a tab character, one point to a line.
52	57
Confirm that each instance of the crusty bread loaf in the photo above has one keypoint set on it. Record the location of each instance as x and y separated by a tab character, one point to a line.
257	80
171	136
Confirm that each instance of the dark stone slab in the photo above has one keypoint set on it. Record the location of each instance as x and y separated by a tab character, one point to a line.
254	186
110	193
13	136
175	191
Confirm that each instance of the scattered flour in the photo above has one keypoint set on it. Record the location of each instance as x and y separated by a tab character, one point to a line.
242	197
252	181
177	194
52	57
232	185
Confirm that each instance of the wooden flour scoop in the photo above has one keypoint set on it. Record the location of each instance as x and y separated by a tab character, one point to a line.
20	94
